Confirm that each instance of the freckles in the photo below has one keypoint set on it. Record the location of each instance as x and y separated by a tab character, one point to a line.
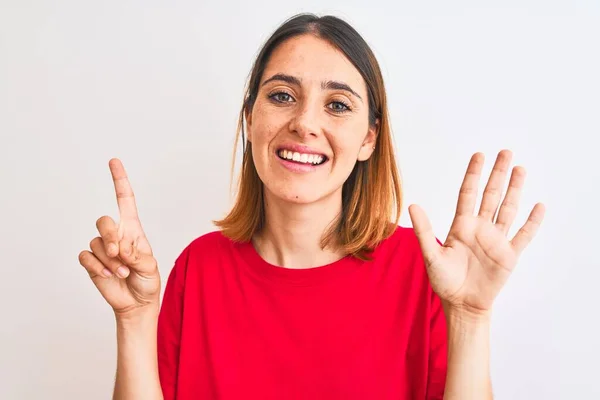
265	123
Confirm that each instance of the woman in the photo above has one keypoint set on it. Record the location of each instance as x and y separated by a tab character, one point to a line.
308	290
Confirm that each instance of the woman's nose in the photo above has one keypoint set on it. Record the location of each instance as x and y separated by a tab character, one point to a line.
306	121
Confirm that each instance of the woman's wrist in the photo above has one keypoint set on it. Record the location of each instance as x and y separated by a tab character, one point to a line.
468	375
141	317
137	357
465	315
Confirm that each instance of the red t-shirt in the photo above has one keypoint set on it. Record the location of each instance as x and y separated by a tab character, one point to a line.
233	326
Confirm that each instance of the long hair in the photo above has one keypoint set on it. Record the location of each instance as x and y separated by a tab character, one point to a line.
371	196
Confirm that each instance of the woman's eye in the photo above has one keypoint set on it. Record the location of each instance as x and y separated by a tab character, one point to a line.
281	97
338	106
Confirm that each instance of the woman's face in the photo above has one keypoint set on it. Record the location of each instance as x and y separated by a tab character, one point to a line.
309	124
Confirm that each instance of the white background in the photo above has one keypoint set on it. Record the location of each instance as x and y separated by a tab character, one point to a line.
159	85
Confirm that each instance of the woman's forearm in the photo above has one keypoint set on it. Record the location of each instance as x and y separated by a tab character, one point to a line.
137	362
468	376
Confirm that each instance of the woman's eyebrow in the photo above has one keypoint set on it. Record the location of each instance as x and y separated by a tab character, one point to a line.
292	80
335	85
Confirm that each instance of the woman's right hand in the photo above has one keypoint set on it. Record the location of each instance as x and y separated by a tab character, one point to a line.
120	262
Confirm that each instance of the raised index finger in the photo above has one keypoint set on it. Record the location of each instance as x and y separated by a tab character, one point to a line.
125	196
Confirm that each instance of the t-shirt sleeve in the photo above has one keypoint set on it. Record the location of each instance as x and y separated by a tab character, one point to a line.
169	327
438	349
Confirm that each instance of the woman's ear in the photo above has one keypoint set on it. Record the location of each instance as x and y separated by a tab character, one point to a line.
368	146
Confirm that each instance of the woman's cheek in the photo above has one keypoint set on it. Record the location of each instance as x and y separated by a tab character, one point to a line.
265	125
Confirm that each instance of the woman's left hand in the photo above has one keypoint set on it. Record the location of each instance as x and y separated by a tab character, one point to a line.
469	269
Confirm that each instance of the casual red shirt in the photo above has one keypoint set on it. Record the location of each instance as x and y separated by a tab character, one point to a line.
233	326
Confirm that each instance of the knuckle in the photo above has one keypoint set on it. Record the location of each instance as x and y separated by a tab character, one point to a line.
95	242
109	236
100	221
509	205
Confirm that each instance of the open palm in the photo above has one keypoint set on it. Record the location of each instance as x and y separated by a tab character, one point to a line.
475	261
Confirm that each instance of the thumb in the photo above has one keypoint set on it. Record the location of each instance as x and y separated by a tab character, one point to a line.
422	227
135	259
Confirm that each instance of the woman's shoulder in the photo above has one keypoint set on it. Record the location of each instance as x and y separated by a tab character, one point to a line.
401	245
203	248
207	245
401	236
401	257
208	240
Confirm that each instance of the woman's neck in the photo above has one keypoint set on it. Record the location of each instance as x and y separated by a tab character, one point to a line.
292	234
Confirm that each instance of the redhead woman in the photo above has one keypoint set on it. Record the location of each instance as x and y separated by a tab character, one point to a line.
309	288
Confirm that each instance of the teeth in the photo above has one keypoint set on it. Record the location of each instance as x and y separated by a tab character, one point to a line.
301	158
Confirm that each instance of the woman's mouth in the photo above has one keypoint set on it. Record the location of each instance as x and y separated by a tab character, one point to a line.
301	158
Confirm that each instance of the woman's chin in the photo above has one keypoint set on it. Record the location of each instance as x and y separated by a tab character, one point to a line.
300	198
297	196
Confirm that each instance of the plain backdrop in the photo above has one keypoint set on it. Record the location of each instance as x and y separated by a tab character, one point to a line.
160	84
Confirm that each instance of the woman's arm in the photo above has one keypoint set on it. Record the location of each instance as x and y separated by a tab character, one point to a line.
122	266
468	375
137	364
470	268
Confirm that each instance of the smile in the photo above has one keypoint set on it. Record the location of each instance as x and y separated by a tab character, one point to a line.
301	158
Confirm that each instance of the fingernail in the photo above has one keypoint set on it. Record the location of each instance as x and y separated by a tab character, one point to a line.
112	249
123	271
107	273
